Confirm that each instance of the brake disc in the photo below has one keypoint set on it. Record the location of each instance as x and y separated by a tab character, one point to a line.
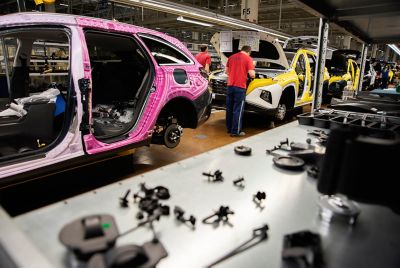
289	162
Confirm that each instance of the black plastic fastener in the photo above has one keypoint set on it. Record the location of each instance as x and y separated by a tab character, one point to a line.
260	196
239	182
179	215
123	201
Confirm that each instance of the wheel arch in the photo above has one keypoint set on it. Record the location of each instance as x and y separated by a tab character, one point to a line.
288	97
183	109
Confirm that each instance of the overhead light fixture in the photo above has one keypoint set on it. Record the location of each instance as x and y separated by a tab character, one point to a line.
180	18
395	48
223	20
64	5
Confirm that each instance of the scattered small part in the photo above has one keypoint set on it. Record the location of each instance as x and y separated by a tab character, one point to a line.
179	214
242	150
192	220
164	210
178	211
239	182
221	215
308	140
208	174
259	197
159	192
148	200
145	190
270	151
162	192
313	171
148	204
123	201
297	146
285	142
217	176
304	247
317	132
321	135
139	215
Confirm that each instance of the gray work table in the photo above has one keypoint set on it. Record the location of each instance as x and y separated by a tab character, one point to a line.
291	206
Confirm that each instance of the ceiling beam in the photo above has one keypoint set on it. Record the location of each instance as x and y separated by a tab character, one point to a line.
201	15
379	9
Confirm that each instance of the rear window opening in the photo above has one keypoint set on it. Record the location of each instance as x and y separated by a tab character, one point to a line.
290	56
121	77
34	89
163	52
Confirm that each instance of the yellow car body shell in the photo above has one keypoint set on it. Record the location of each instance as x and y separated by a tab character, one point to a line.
292	78
292	86
352	74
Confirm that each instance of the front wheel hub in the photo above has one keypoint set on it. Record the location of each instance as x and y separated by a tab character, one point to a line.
280	112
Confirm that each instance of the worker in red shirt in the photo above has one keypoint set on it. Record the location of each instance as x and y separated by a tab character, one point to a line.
237	68
204	58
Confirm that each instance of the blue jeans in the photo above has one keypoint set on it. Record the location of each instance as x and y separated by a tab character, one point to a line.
235	99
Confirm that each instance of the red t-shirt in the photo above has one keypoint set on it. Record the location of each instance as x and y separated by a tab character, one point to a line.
203	58
239	65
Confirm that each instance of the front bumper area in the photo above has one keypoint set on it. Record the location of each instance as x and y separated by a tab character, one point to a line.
219	102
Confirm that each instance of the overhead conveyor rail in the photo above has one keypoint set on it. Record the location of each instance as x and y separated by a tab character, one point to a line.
201	15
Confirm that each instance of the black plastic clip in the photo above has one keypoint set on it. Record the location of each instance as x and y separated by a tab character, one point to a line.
159	192
179	215
261	232
139	215
259	196
239	182
285	142
217	176
123	201
221	215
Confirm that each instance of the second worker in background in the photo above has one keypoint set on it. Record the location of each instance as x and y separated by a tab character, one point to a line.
204	58
237	68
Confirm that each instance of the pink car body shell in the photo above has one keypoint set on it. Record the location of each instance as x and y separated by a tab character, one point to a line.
166	89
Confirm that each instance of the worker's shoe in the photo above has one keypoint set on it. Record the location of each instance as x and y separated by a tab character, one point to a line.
241	134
